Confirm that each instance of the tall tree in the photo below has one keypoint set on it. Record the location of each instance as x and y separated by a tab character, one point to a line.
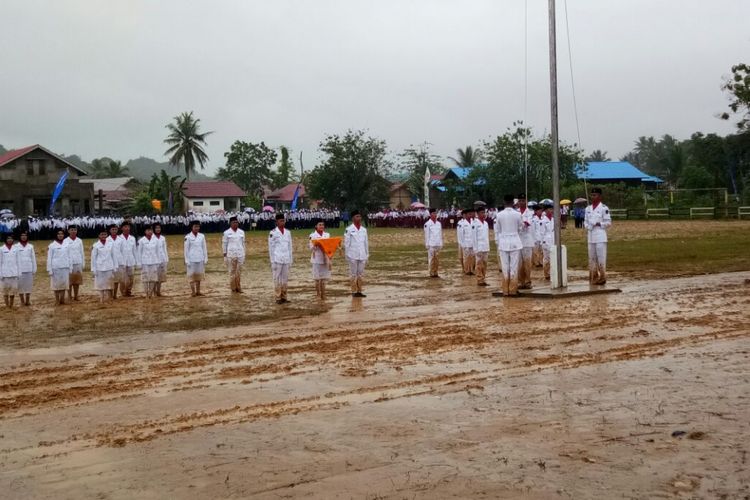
415	160
598	155
249	166
738	87
105	168
186	143
162	186
353	173
284	173
467	157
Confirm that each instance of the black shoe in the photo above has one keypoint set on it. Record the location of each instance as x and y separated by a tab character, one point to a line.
359	294
482	284
279	301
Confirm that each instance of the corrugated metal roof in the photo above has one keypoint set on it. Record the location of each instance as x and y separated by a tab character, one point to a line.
212	189
611	170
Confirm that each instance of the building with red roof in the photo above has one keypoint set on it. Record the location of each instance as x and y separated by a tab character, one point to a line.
213	196
281	199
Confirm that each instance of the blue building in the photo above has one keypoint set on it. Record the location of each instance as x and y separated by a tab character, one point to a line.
609	172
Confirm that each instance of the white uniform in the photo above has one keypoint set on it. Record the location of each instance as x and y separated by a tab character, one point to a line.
280	254
480	234
357	252
318	258
196	256
117	255
164	257
149	258
508	225
104	264
597	221
58	265
547	232
128	259
27	266
77	259
465	245
233	248
527	239
433	242
10	270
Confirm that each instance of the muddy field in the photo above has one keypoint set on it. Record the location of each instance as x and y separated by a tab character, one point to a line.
424	389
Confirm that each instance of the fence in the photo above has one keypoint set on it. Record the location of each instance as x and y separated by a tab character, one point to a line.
657	212
618	213
702	212
743	212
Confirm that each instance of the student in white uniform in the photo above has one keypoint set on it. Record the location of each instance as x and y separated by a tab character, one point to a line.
196	257
480	232
357	251
164	263
537	255
233	247
113	239
149	260
280	254
58	267
10	271
104	265
597	221
321	263
508	225
129	258
77	259
465	242
27	266
433	242
527	240
548	238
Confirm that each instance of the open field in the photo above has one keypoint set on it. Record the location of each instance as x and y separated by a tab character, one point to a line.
425	389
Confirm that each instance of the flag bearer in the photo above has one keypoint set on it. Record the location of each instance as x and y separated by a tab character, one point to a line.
481	244
233	247
508	225
77	259
321	263
357	252
433	242
27	266
196	257
597	221
280	253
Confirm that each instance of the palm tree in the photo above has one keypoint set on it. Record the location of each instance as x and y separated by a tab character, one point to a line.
162	186
105	168
598	155
116	169
186	143
467	157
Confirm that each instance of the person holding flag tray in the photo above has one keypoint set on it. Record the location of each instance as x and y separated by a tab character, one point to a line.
322	247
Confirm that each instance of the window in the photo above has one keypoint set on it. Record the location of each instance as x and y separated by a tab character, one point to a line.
214	203
30	168
42	170
197	203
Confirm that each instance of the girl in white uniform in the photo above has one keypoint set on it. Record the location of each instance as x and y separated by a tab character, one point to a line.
196	257
9	271
149	260
321	264
58	267
104	265
27	265
164	258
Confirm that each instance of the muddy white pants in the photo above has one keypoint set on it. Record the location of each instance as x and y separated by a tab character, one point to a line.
280	279
433	259
481	266
509	267
598	262
524	267
468	254
356	274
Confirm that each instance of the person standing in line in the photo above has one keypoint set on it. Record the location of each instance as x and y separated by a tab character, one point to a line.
196	258
77	258
10	271
164	258
233	248
113	239
58	267
579	214
149	260
321	263
464	237
481	244
597	221
129	256
433	242
357	250
104	265
508	225
527	240
280	254
537	254
548	237
27	266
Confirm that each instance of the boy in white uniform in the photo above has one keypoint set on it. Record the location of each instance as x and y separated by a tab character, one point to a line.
433	242
27	266
129	259
164	258
113	239
58	267
233	247
481	243
104	265
196	257
77	259
597	221
465	242
508	224
10	271
149	260
537	255
357	252
321	264
280	253
548	238
527	240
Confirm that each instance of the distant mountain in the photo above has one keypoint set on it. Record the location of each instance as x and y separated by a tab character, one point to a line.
143	168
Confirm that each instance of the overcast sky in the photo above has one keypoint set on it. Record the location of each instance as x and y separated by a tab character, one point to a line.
102	78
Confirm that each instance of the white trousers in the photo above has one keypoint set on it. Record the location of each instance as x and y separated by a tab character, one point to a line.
598	257
280	274
356	268
509	263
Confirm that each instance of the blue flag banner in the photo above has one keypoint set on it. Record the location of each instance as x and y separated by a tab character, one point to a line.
58	189
295	198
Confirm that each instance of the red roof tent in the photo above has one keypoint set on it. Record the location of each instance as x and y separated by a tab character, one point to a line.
286	193
17	153
213	189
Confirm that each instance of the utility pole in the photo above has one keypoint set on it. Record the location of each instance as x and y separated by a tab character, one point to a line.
555	164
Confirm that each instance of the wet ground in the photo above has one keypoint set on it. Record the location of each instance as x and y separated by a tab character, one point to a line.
424	389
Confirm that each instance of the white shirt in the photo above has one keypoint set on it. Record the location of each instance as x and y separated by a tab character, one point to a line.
103	257
600	215
480	232
318	255
128	250
26	258
433	234
527	231
58	256
233	243
463	234
280	246
548	230
76	250
355	243
538	226
150	251
163	242
195	248
508	224
9	265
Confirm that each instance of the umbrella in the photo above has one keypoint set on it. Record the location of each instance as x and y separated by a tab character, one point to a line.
479	203
268	208
565	202
7	215
416	204
5	211
546	201
581	200
249	210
